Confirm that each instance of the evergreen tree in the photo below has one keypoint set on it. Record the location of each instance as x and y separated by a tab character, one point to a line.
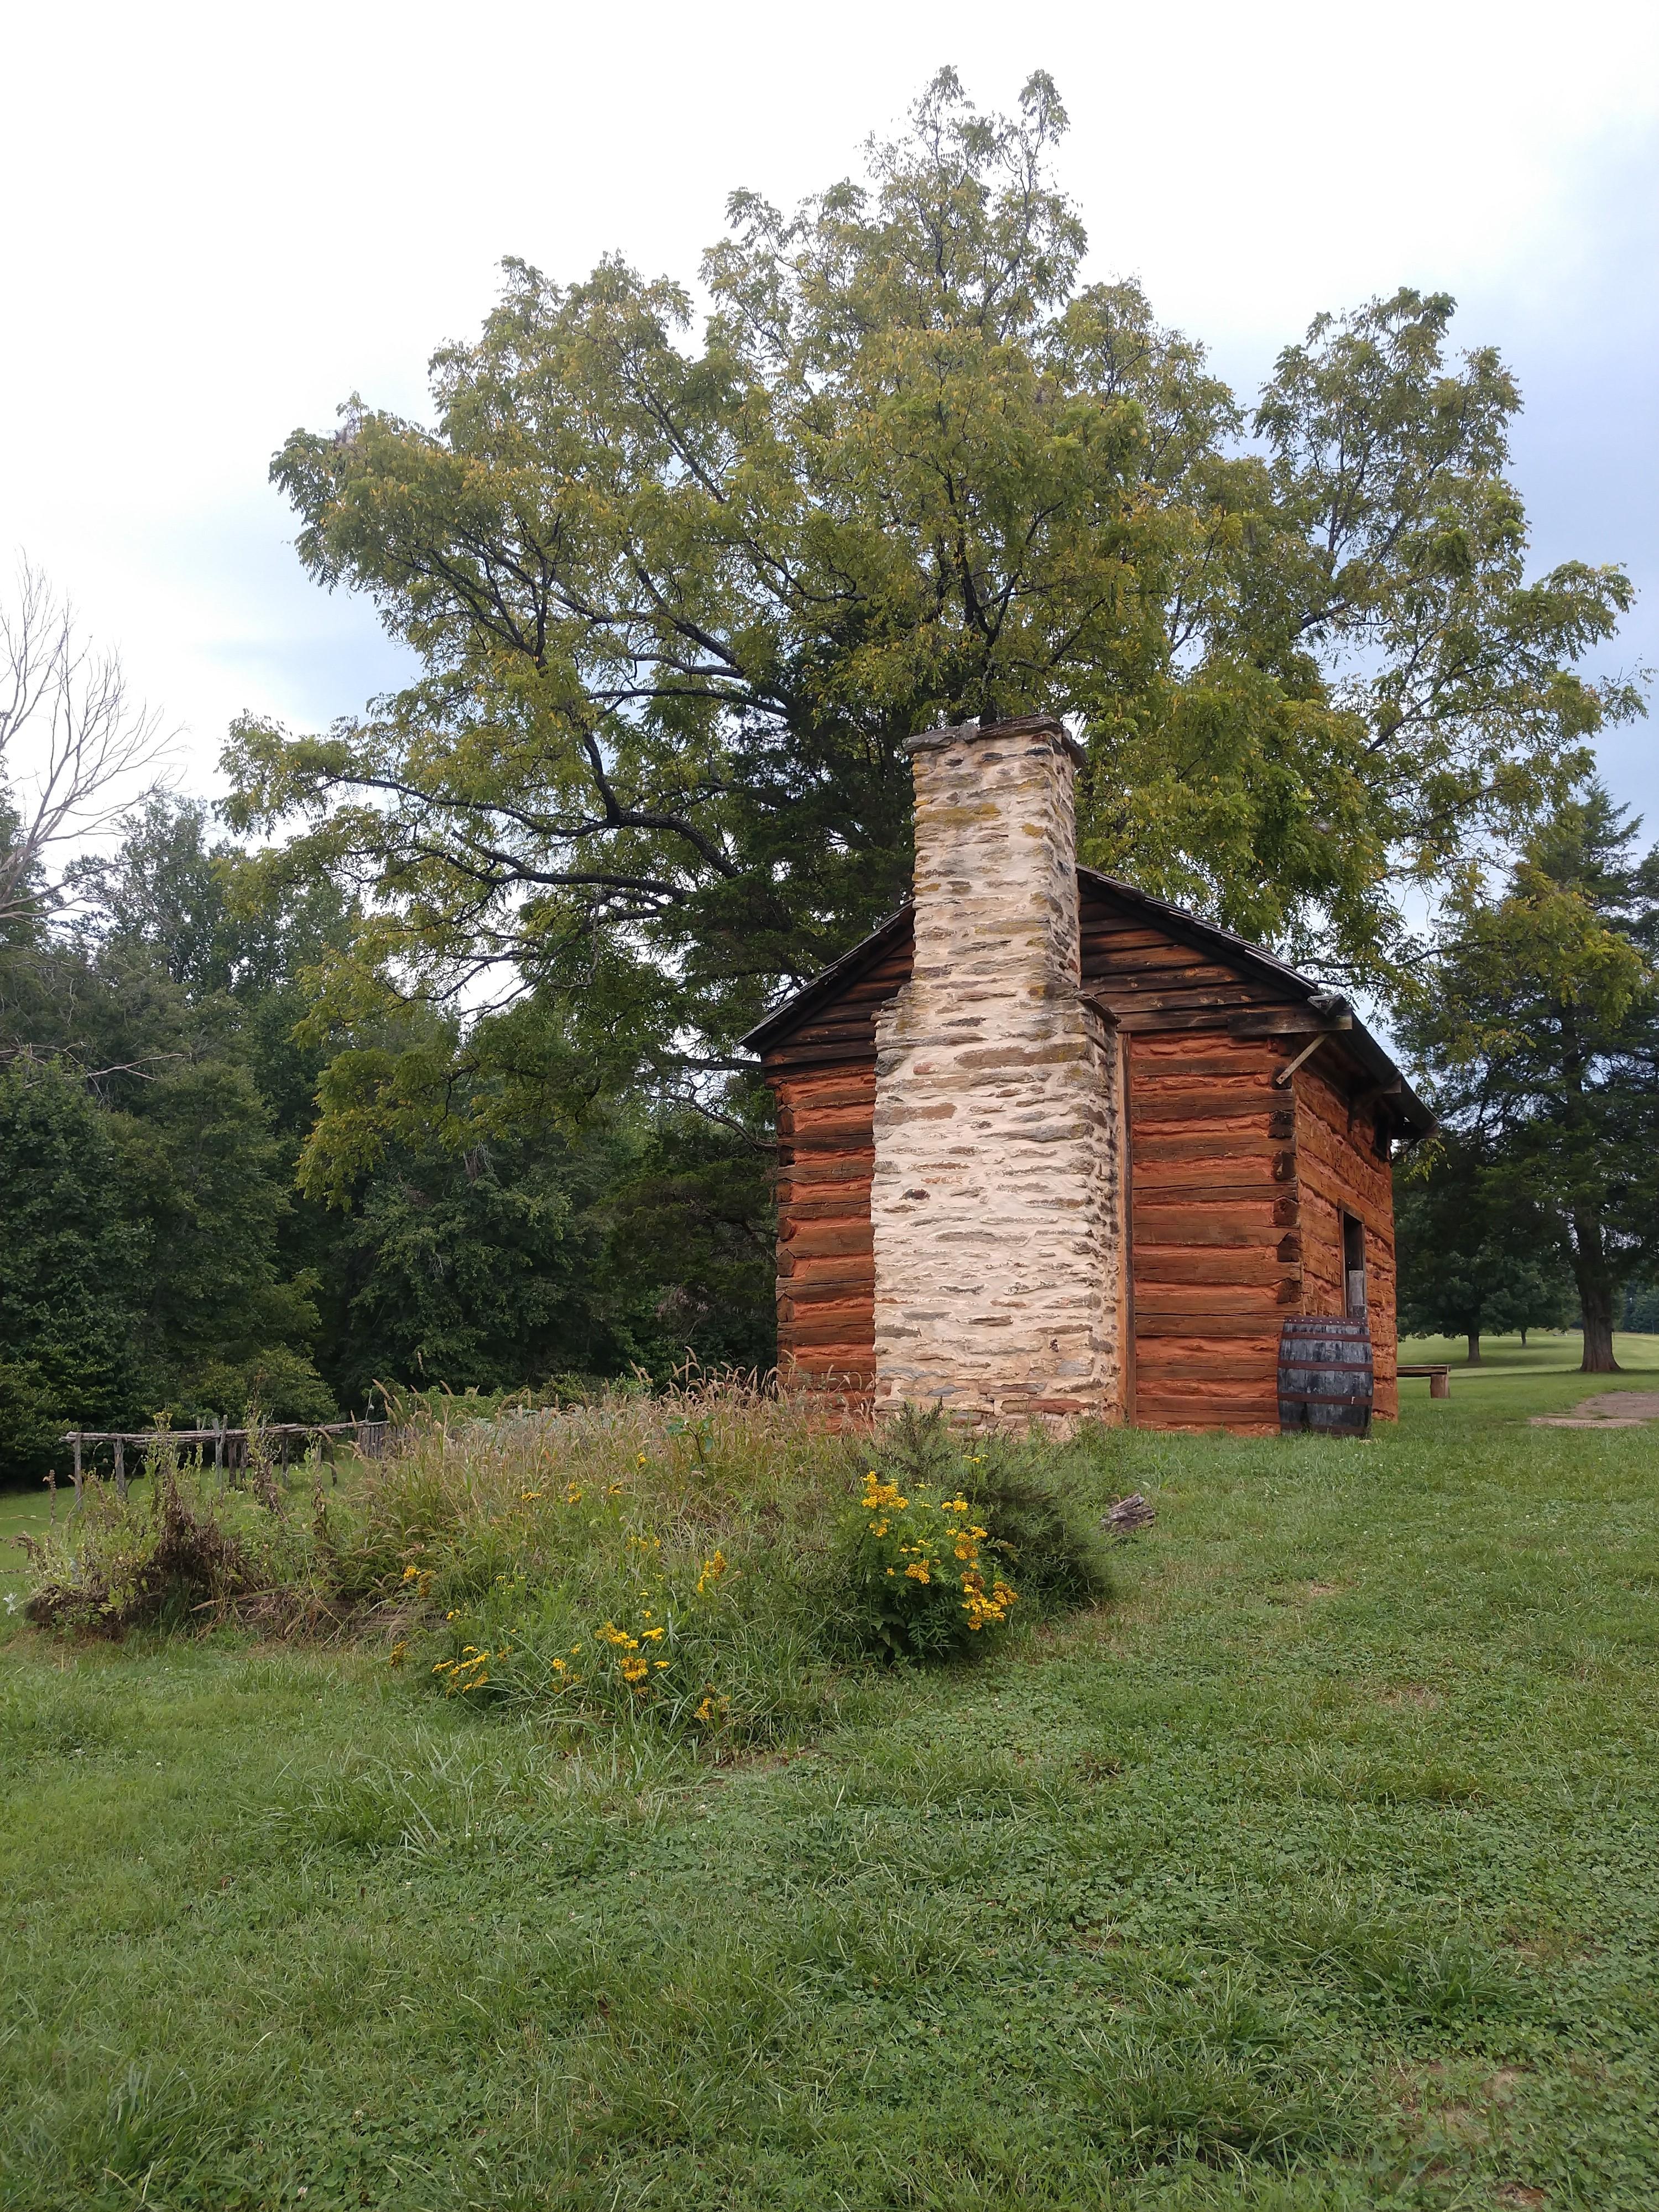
72	1266
1541	1021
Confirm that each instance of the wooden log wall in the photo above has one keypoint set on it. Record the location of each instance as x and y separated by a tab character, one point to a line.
826	1262
1341	1171
1215	1253
1148	978
823	1075
1236	1186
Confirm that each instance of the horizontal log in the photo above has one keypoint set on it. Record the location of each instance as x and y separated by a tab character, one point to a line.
1292	1020
1232	1428
1149	1323
1218	1156
827	1369
818	1121
1228	1102
819	1173
1197	1182
794	1266
821	1326
1215	1405
826	1238
1191	1055
1107	964
1165	1361
1177	1226
1191	1187
1199	1301
817	1151
1229	1145
1211	1264
1171	1022
828	1086
783	1058
822	1286
1198	998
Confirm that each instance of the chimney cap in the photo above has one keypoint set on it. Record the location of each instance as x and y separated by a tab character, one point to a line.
1020	726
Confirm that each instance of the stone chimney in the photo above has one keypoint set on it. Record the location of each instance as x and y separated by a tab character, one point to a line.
995	1203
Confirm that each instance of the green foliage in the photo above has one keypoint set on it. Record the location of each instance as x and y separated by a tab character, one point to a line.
139	1562
207	1166
678	602
925	1575
444	1233
71	1266
1472	1260
1541	1019
275	1384
693	1563
950	1532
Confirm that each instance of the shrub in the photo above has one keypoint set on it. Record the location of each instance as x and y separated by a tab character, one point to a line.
950	1532
164	1554
923	1568
696	1561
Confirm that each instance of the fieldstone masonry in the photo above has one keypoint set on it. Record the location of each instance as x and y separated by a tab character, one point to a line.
995	1203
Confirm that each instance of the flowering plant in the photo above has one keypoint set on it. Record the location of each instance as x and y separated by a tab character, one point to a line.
919	1559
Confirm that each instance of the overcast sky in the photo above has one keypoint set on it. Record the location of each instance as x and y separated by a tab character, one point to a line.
220	221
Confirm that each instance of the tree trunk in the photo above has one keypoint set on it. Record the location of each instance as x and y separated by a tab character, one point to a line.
1596	1295
1595	1302
1474	1347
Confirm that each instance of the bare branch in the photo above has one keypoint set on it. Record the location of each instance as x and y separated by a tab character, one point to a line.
75	744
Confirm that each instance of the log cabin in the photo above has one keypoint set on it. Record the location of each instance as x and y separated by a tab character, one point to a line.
1052	1149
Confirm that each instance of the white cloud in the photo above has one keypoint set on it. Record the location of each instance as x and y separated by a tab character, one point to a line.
221	221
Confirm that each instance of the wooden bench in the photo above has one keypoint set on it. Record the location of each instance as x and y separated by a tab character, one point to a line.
1439	1379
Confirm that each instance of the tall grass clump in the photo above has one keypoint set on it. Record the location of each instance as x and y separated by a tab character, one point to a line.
703	1559
180	1551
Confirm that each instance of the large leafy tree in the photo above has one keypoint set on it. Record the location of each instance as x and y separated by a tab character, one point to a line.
159	1094
71	1267
1471	1261
679	601
1541	1019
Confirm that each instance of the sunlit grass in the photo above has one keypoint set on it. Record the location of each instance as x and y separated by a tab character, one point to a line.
1316	1872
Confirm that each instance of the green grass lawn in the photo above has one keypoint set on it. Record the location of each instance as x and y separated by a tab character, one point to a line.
1515	1380
1319	1870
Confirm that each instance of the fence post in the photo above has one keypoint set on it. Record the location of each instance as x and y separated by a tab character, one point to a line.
121	1466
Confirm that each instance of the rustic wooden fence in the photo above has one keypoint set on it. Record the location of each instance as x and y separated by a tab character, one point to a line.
231	1448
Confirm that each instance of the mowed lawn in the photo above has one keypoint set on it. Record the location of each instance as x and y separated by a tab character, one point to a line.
1320	1869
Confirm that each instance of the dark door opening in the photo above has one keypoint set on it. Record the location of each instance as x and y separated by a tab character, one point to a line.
1354	1266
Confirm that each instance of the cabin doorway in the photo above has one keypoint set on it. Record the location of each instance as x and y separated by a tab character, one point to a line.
1354	1266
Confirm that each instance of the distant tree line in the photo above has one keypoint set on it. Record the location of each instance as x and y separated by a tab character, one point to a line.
157	1087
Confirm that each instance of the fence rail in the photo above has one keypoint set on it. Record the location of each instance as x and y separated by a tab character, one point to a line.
230	1446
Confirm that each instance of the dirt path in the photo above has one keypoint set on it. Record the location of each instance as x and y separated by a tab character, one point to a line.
1611	1409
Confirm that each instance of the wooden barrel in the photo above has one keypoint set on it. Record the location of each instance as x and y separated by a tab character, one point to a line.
1325	1376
